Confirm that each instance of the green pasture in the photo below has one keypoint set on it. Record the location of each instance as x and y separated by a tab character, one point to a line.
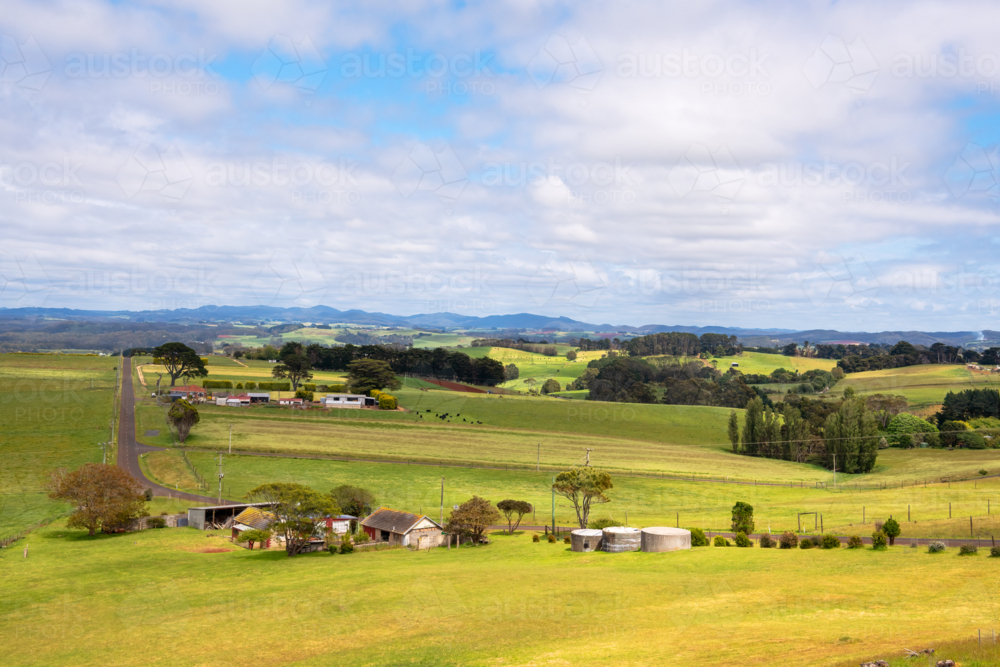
54	412
758	362
922	511
512	602
923	386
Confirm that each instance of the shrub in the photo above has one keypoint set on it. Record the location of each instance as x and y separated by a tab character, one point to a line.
935	547
878	540
968	550
742	518
788	540
766	541
552	539
309	386
156	522
332	549
806	543
273	386
305	395
698	538
148	494
322	387
217	384
984	472
994	552
742	540
566	540
346	546
336	388
601	524
361	537
891	529
239	385
854	542
387	402
534	538
831	542
250	385
720	541
913	544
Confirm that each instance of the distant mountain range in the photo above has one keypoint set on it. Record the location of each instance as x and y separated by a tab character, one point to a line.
451	321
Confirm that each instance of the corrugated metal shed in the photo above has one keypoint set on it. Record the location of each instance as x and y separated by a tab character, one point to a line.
394	520
255	518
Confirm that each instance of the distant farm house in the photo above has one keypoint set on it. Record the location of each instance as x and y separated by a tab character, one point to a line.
403	529
191	392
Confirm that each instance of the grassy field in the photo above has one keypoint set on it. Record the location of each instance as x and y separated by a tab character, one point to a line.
923	386
648	501
54	412
757	362
178	596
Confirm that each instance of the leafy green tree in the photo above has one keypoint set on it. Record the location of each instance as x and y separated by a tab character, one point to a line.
473	518
743	518
851	435
550	386
742	540
510	508
734	431
891	529
753	427
179	360
367	374
571	355
293	367
511	372
254	536
102	495
878	540
907	425
355	500
584	487
182	416
296	508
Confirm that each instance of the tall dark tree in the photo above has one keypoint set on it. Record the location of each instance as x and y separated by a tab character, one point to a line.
293	367
179	360
367	374
473	518
183	416
355	500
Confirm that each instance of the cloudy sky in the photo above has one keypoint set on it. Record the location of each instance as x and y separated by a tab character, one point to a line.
755	164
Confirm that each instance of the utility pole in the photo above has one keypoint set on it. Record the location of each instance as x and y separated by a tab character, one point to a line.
553	504
538	460
230	438
589	450
221	475
441	515
835	470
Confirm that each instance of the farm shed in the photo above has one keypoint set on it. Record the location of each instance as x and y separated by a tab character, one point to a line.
344	401
187	392
203	518
294	402
665	539
259	397
403	528
252	518
339	524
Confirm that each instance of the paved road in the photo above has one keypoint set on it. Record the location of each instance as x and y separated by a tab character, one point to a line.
129	449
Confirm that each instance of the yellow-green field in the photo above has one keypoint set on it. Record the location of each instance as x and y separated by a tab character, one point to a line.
765	364
923	386
181	597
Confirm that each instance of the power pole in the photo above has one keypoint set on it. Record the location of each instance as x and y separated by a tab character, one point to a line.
589	450
441	515
553	504
221	475
835	471
538	459
230	438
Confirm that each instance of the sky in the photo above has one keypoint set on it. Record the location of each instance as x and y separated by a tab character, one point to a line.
746	164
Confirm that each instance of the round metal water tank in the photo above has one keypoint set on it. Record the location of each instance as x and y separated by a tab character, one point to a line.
586	539
665	539
619	538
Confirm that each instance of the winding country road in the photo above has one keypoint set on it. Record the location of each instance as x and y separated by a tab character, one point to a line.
129	450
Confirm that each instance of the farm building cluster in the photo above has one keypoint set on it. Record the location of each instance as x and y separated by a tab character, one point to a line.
196	394
383	526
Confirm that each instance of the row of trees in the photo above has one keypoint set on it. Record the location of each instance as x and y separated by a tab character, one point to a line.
678	344
849	442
